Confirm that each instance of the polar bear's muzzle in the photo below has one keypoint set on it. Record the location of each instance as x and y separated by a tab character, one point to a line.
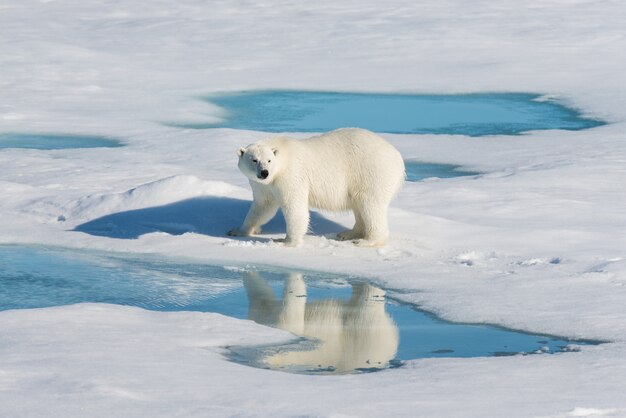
262	174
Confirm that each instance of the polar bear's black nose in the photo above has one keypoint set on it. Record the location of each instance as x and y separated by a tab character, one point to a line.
264	174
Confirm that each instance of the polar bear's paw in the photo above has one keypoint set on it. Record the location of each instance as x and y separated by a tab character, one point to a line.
370	242
348	235
288	242
238	232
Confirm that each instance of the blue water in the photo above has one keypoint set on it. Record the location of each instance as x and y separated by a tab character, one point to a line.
463	114
417	171
42	277
52	142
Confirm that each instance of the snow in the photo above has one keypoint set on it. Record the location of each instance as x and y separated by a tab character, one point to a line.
160	192
472	249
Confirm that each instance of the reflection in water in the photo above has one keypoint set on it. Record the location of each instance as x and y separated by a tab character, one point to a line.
343	321
352	334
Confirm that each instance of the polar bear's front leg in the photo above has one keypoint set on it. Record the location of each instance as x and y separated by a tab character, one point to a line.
296	213
258	215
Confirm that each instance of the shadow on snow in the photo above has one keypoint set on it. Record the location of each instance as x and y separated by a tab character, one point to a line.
212	216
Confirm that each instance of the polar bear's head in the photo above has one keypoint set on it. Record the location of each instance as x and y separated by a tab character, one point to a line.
259	162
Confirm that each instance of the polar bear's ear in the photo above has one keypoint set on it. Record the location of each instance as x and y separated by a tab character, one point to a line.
240	152
275	151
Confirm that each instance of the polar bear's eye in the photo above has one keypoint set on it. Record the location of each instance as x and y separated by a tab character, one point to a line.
254	160
269	161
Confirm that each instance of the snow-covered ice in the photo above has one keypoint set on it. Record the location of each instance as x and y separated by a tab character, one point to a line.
478	249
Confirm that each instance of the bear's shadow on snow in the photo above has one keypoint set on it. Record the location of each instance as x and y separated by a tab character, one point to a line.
210	215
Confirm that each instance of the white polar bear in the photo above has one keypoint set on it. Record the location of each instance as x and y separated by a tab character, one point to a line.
346	169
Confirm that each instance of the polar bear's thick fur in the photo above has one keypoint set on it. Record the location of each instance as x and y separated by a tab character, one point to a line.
352	334
347	169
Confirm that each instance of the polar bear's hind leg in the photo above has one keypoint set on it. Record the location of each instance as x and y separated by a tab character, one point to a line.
375	224
356	232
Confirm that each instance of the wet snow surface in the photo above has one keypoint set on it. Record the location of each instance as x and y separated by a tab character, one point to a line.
50	142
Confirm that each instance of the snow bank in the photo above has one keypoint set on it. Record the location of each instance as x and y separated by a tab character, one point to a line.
157	193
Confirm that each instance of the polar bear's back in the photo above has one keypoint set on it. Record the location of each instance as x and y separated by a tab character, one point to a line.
345	167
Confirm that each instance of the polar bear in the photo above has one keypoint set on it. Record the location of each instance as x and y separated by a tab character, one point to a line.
346	169
352	334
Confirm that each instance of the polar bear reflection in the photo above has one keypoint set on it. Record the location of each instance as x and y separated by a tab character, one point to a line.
352	334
